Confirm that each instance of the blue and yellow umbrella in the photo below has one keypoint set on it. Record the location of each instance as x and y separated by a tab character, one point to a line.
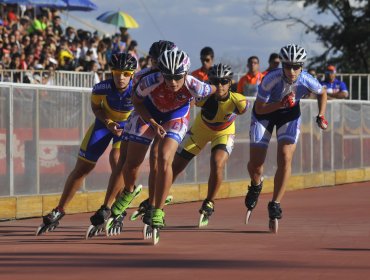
119	19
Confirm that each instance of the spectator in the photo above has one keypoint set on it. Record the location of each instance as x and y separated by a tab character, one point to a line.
57	28
45	79
312	72
132	49
125	37
335	88
92	46
206	58
102	56
39	25
70	34
6	59
1	47
144	62
248	84
24	25
2	68
274	62
12	17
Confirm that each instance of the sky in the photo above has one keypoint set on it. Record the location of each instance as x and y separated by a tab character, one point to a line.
229	27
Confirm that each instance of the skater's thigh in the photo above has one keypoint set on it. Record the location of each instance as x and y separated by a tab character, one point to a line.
257	155
136	153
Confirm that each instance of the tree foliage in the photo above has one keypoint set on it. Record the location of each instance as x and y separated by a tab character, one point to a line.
346	40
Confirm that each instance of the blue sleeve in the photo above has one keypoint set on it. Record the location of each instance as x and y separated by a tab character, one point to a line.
343	86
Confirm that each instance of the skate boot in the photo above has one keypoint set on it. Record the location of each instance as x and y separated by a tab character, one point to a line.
251	199
207	209
50	221
157	224
124	201
98	221
147	220
143	206
275	214
141	210
114	225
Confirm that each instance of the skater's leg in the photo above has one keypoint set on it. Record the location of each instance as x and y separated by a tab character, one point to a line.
153	161
284	161
135	156
255	168
114	156
74	181
166	152
178	165
257	156
116	178
218	160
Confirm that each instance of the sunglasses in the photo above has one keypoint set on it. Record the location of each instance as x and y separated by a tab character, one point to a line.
292	66
217	81
124	73
204	59
176	77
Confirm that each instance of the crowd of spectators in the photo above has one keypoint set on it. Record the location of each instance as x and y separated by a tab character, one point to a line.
40	44
35	40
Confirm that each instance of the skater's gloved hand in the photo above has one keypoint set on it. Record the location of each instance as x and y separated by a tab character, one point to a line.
160	131
114	127
322	122
288	101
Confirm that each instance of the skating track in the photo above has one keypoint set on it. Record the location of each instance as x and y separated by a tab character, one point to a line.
324	234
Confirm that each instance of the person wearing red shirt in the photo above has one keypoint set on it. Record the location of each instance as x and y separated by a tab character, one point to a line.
206	57
248	84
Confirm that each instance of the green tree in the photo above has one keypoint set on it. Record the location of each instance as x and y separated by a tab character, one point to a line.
346	40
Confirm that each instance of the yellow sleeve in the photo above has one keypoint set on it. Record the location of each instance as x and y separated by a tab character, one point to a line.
241	103
96	99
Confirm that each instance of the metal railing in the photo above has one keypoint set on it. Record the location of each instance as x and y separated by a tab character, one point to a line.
358	84
41	128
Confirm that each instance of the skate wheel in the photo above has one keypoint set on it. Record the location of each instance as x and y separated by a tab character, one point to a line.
155	239
40	230
108	225
138	190
203	220
147	232
89	232
274	226
248	216
168	200
135	215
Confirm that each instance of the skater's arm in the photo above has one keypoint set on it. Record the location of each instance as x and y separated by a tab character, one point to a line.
262	108
146	116
101	115
321	101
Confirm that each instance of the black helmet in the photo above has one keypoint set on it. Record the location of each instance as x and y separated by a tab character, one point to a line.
220	71
123	61
157	48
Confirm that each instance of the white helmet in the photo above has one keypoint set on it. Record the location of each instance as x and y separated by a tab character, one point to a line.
174	62
293	54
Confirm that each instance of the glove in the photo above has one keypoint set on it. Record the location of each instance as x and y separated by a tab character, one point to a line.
322	122
288	101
